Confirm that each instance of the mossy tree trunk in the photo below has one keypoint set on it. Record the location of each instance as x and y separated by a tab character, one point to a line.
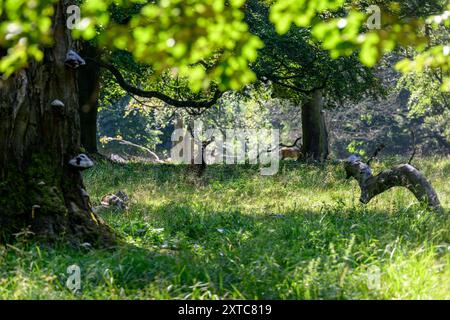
38	189
314	130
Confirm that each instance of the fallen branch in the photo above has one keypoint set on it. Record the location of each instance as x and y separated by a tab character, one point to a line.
128	143
403	175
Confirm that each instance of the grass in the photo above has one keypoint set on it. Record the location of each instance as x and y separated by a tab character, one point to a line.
235	234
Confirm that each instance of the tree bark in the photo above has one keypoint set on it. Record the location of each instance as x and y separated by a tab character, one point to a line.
404	175
315	136
89	87
39	190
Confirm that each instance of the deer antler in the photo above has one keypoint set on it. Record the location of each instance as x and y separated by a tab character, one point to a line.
292	145
375	153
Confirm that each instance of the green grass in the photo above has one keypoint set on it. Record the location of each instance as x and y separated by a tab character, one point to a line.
235	234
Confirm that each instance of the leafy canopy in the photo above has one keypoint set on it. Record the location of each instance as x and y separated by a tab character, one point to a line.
183	35
399	25
296	63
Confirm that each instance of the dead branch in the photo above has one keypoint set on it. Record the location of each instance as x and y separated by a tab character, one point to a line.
128	143
403	175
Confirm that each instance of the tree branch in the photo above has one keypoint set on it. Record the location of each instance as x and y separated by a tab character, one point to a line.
277	80
156	94
128	143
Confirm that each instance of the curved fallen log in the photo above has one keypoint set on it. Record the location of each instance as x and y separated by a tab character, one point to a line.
403	175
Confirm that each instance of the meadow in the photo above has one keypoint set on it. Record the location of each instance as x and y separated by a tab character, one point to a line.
234	234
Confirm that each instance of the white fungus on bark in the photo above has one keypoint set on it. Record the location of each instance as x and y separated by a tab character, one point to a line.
81	162
73	60
57	103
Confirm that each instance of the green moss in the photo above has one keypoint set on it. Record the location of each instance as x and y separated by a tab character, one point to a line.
42	166
21	189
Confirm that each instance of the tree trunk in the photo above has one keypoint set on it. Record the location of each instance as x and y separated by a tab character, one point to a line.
89	87
315	136
39	190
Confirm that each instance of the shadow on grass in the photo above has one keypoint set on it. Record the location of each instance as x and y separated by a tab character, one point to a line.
178	251
187	250
177	248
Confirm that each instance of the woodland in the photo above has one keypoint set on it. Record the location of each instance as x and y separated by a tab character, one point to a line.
347	99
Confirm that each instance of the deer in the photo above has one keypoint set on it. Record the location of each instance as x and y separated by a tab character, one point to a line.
290	151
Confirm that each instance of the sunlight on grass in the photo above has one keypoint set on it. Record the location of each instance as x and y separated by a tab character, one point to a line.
235	234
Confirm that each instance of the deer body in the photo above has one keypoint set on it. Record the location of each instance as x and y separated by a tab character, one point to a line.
290	152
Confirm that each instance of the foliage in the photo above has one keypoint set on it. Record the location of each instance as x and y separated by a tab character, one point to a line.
168	35
295	63
425	86
427	104
126	120
180	36
243	109
298	235
361	126
356	128
436	56
24	27
347	33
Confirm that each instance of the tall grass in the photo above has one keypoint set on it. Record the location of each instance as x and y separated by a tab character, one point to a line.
301	234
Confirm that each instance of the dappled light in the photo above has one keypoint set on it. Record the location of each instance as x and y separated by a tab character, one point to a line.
223	150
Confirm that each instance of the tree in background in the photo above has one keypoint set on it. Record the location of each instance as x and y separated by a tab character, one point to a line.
428	105
300	70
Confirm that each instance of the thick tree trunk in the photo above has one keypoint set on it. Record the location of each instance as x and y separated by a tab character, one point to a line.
39	190
89	87
315	136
